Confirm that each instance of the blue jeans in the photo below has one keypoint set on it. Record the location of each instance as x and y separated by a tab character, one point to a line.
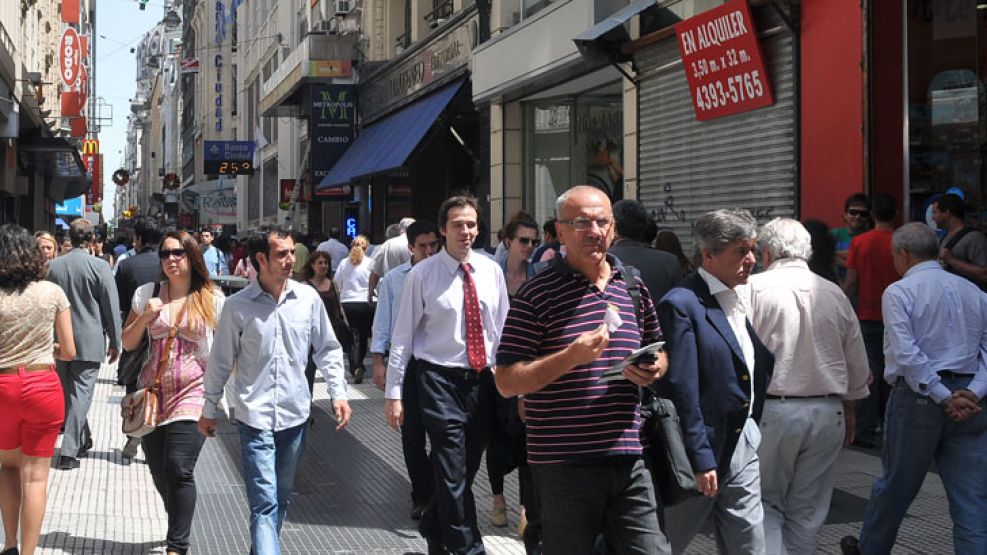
270	460
917	431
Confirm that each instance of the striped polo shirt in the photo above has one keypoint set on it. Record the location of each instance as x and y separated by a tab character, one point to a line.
577	417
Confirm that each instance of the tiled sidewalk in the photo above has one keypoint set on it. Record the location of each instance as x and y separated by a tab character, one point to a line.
351	495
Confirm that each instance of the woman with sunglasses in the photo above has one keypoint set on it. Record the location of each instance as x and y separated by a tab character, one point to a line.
30	391
180	320
506	449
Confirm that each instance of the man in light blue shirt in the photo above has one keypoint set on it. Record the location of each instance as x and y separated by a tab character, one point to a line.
423	242
935	344
266	332
215	258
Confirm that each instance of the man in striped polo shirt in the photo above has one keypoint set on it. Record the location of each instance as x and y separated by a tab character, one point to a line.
584	434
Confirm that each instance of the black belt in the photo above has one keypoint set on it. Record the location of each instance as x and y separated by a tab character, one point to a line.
783	397
952	375
465	374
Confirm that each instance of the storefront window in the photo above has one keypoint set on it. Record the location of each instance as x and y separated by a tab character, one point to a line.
573	140
947	103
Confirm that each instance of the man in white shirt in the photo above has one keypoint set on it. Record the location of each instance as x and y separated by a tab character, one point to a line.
934	347
423	241
390	255
335	247
451	313
820	373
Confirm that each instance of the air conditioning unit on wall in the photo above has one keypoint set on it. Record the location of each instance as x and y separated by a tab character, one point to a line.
342	7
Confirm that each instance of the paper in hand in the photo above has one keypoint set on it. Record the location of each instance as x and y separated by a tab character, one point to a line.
614	373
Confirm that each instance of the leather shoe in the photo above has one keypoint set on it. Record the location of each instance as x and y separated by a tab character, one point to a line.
67	463
358	375
416	512
130	449
850	545
10	551
83	453
435	547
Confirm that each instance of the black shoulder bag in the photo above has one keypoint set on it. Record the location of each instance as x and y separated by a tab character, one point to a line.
664	452
132	362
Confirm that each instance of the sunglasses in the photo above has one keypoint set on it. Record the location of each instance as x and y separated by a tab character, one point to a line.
527	241
165	254
858	212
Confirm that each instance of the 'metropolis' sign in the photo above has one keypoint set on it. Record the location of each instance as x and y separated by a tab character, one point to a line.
722	61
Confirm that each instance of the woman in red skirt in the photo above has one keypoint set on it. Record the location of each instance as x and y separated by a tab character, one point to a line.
30	392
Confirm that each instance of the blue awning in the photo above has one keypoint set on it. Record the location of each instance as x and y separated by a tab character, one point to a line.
385	145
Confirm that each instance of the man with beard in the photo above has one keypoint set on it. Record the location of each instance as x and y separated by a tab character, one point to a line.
267	332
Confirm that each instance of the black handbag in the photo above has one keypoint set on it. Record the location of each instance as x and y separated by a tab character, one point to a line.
132	362
671	471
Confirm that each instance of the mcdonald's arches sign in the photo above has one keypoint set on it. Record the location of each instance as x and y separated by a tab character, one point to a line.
93	161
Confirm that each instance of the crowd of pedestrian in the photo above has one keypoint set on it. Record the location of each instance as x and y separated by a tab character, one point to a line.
774	347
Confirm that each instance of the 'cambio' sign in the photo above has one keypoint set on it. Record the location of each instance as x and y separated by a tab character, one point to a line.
70	55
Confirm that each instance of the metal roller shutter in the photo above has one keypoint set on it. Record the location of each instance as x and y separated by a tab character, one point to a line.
746	160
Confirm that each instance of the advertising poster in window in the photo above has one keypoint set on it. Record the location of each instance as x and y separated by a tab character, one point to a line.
722	61
332	129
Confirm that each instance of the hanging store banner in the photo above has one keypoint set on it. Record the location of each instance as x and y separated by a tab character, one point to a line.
70	11
331	130
722	61
70	57
94	167
70	104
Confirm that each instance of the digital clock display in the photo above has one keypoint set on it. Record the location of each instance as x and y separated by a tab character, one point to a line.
229	158
229	167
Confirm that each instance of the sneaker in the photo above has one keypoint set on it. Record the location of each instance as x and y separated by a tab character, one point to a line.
130	449
498	517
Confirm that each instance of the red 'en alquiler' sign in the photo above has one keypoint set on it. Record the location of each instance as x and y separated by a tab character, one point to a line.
722	61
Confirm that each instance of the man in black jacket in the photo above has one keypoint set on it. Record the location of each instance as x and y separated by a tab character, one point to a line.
143	267
660	270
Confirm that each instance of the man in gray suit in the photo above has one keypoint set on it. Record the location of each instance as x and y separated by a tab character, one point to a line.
89	286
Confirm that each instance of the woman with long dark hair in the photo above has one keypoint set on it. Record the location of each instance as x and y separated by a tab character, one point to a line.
668	241
180	320
353	280
315	272
30	391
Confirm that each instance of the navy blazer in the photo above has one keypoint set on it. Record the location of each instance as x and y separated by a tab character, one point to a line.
707	378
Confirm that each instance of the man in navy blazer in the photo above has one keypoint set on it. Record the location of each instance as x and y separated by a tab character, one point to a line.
718	376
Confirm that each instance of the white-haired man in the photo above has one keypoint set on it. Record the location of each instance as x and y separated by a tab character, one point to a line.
934	344
391	254
820	374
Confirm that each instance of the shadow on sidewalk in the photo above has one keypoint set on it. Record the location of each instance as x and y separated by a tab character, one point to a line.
82	544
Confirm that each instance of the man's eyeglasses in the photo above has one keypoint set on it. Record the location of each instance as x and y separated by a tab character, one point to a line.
165	254
858	212
583	224
528	241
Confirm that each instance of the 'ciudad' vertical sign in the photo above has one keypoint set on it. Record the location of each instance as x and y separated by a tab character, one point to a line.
722	61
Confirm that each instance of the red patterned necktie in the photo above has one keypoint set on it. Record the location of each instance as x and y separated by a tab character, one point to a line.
475	350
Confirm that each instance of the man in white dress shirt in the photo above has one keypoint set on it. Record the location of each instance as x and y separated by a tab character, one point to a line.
391	254
450	316
820	374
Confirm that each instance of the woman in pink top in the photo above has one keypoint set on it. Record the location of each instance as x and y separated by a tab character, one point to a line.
30	391
186	308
